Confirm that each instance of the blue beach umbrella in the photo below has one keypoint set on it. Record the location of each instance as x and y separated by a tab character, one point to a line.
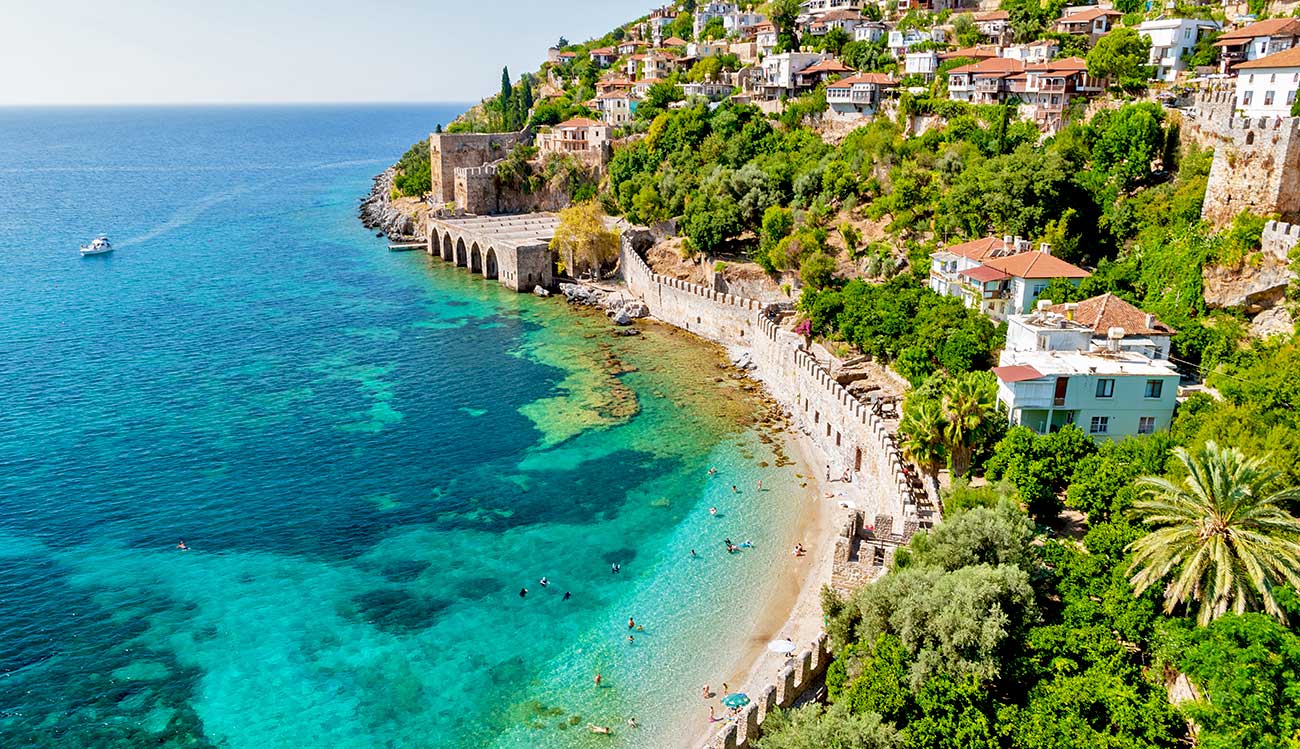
739	699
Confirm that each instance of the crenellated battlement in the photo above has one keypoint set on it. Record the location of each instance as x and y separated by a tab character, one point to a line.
1256	168
1279	239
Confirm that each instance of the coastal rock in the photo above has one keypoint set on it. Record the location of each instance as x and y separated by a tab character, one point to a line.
1277	321
539	291
621	318
636	310
398	220
586	295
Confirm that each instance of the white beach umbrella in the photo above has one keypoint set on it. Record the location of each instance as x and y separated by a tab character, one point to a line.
784	647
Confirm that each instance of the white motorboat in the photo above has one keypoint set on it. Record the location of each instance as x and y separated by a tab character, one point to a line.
99	246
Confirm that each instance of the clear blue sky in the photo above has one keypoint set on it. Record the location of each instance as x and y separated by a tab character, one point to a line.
183	51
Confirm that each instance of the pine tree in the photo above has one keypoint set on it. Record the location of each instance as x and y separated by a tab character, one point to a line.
525	98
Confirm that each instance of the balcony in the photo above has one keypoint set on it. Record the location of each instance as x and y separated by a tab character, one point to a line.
988	86
1034	395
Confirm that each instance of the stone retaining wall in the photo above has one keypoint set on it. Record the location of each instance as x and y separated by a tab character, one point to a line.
803	670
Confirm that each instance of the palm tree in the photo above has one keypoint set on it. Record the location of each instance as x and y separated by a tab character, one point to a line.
922	429
967	403
1224	536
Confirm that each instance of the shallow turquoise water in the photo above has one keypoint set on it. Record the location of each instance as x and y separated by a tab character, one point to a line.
368	453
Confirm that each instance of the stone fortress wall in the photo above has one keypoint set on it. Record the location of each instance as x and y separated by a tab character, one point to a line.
1279	239
859	445
477	191
1256	168
803	671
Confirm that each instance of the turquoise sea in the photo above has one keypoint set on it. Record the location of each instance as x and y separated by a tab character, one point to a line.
367	453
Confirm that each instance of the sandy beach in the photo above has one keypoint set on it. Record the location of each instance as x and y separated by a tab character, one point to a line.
793	609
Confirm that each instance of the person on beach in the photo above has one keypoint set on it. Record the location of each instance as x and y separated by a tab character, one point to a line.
760	485
713	718
523	592
567	596
705	692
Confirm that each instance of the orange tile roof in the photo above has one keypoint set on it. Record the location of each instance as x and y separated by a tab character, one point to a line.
994	66
878	79
979	51
1036	265
1017	373
1064	65
983	273
607	51
1289	58
993	15
1271	27
577	122
1089	15
1101	313
675	41
826	66
977	249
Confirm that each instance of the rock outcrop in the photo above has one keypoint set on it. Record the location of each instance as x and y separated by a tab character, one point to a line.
400	219
621	306
1260	282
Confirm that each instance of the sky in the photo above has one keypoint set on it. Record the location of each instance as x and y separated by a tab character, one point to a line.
282	51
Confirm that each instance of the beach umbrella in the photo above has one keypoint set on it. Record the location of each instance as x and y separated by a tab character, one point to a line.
739	699
784	647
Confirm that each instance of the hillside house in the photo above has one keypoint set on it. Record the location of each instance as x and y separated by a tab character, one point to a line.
1143	332
921	63
1029	54
985	82
577	136
1172	39
603	56
901	41
994	24
711	90
1053	372
845	20
870	31
777	76
1046	90
616	108
859	95
1267	87
1093	23
998	277
1257	40
812	75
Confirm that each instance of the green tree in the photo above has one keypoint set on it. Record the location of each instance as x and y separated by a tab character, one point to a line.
817	270
785	15
1122	56
1039	466
713	29
582	242
1221	532
809	727
967	404
507	110
922	429
996	535
833	41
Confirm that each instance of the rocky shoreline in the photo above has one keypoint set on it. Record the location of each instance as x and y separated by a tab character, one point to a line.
398	220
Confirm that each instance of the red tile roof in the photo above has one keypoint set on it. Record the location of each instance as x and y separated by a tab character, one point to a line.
1063	65
1271	27
977	249
978	52
826	66
1036	265
993	15
1090	14
1101	313
1017	373
994	66
605	51
878	79
1285	59
675	41
984	274
578	122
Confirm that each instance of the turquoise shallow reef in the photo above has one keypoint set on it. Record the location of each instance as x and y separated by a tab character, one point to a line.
368	454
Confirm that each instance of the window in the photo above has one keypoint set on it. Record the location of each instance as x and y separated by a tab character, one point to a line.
1268	99
1038	289
1154	388
1146	425
1099	425
1105	388
1246	97
1290	98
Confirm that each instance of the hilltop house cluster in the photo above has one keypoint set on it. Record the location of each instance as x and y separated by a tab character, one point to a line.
1035	75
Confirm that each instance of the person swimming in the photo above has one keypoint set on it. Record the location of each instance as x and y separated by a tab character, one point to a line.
523	592
712	471
544	582
614	568
692	553
567	596
182	545
713	511
746	544
631	623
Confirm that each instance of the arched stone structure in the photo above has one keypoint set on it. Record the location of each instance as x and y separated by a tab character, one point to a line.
475	259
514	250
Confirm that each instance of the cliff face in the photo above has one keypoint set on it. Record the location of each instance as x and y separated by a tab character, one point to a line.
398	219
1260	283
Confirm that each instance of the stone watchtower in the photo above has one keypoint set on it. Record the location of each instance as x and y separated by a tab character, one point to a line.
449	151
1256	168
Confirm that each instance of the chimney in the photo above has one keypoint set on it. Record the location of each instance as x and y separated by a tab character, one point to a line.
1151	321
1045	248
1069	310
1006	242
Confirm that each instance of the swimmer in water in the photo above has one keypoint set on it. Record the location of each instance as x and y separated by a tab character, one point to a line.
713	511
734	490
746	544
614	568
523	592
712	471
182	545
544	582
631	623
567	596
692	553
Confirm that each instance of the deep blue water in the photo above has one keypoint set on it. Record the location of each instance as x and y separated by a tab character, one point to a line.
368	454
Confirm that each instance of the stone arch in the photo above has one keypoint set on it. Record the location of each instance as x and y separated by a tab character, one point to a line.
447	250
475	259
462	255
490	263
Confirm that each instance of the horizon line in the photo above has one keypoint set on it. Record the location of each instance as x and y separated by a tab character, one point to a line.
159	104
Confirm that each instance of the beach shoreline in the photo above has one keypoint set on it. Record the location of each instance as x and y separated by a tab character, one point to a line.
793	607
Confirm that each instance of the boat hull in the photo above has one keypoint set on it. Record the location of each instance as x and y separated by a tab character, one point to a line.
87	252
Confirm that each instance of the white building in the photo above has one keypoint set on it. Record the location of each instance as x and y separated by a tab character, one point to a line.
1055	372
901	41
707	89
921	63
779	73
1092	22
993	24
765	35
1143	333
1038	52
1267	87
1257	40
1172	39
998	277
616	108
869	31
708	11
